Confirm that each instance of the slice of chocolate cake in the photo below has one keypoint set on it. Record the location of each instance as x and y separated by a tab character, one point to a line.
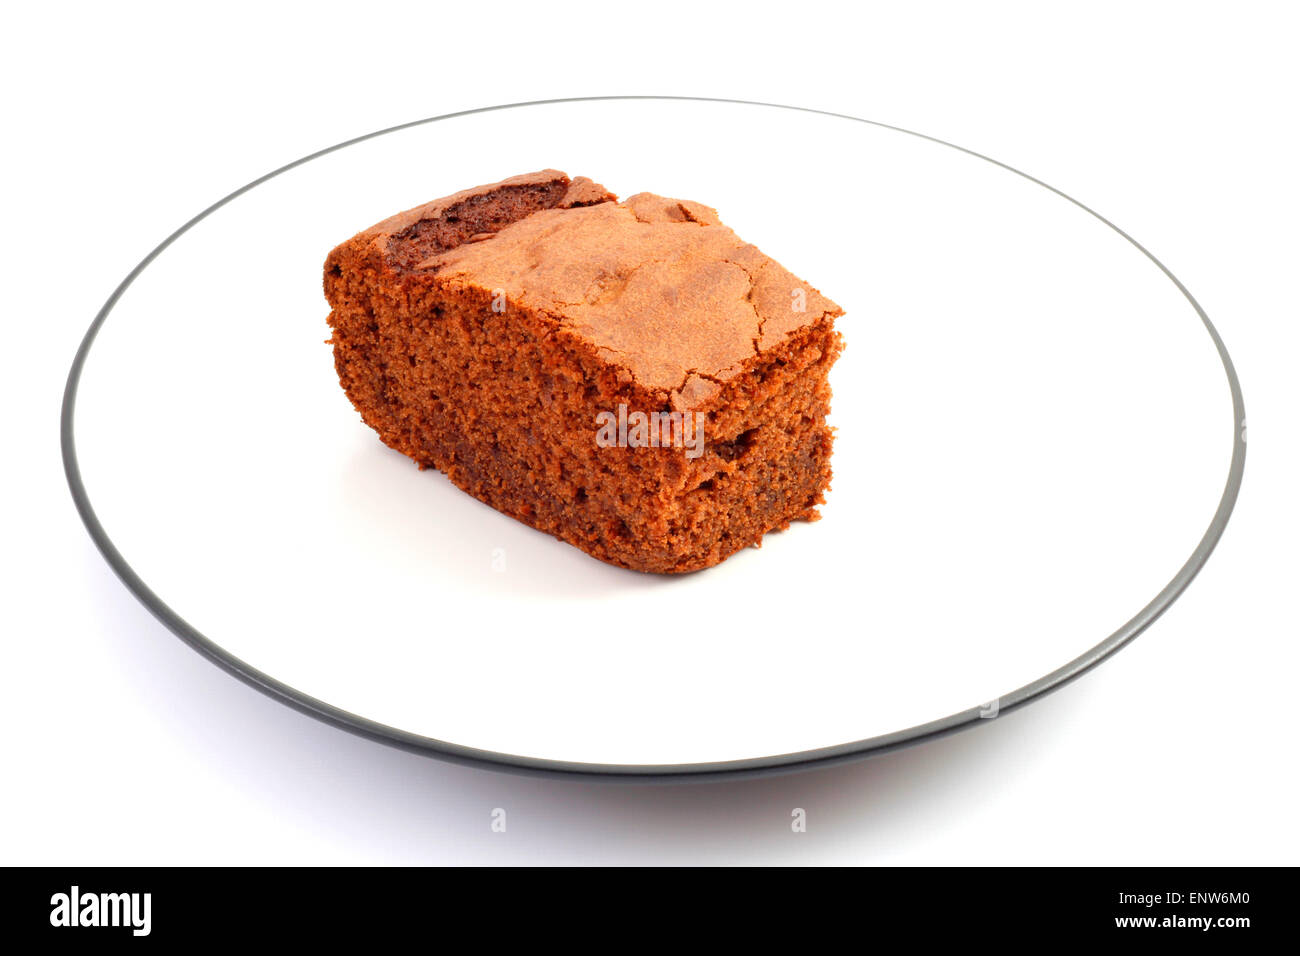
630	377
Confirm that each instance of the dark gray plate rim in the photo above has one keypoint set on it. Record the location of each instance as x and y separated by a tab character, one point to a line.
779	763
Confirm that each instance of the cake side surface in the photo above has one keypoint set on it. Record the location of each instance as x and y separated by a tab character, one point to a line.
489	346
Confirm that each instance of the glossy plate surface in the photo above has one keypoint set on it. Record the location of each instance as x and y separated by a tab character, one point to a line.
1040	439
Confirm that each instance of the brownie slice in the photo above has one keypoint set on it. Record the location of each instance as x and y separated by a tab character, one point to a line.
630	377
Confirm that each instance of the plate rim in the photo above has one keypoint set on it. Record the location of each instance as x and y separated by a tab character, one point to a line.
698	771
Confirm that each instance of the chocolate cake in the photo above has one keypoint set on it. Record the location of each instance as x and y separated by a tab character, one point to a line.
630	377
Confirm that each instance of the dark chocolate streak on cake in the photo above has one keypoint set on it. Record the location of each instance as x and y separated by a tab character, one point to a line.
476	214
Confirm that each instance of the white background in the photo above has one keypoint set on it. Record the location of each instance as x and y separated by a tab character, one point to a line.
123	746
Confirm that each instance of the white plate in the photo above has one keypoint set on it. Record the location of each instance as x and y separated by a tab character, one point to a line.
1035	433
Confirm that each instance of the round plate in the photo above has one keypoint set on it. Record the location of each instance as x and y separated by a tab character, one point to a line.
1035	429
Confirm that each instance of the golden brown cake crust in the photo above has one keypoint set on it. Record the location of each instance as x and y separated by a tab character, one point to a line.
659	286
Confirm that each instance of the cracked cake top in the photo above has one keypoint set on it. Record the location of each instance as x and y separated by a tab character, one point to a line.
660	287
